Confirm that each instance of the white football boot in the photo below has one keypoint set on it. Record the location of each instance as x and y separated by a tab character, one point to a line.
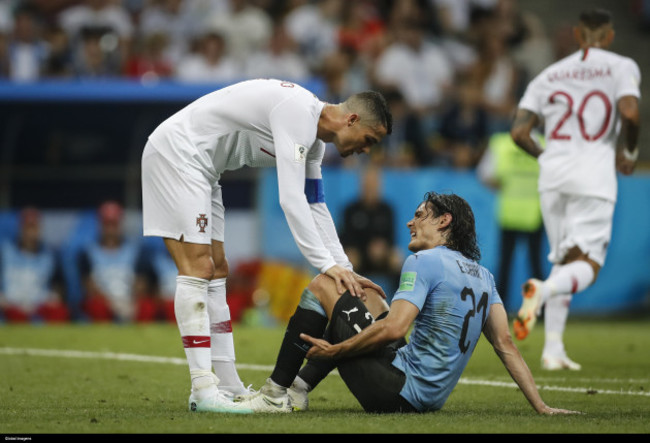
210	399
269	399
551	363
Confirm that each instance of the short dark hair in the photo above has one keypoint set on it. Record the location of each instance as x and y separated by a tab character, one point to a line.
461	235
595	18
377	106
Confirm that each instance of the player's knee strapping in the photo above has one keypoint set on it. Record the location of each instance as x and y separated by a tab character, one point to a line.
310	319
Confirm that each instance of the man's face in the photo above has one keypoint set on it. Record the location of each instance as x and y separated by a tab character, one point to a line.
424	229
357	137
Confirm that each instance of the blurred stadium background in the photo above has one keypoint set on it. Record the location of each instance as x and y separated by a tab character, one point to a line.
82	84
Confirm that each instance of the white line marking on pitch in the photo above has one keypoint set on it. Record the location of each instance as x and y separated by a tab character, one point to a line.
182	361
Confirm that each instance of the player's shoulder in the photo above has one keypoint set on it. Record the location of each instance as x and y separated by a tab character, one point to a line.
271	84
619	64
611	55
439	255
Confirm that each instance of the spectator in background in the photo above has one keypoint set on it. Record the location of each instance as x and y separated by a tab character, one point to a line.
513	174
417	67
278	59
361	26
401	149
160	271
535	51
172	19
27	51
246	28
455	16
98	26
368	233
209	64
93	57
149	61
464	127
563	42
495	73
31	280
421	72
314	27
59	60
113	289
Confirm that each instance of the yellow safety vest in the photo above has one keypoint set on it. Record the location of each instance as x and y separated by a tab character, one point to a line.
517	173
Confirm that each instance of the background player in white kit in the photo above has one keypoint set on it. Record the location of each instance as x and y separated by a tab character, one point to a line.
586	101
256	123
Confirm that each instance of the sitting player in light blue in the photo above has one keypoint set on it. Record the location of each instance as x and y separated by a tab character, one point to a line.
444	295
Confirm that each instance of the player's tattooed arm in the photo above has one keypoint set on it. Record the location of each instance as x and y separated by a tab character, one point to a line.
522	126
628	108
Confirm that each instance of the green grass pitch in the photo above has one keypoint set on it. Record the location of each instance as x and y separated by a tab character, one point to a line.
133	379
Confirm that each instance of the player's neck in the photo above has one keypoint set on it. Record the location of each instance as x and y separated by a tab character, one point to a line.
328	122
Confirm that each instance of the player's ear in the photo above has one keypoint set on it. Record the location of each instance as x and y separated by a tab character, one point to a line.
353	118
445	220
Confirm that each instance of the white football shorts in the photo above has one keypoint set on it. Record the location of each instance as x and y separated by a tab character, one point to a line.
575	220
179	202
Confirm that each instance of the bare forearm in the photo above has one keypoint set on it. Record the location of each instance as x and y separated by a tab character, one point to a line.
630	132
529	145
523	124
628	108
520	373
369	339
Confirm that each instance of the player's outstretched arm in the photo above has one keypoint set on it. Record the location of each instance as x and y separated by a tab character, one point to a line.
497	332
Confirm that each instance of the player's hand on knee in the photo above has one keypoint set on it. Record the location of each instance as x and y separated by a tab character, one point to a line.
345	281
367	283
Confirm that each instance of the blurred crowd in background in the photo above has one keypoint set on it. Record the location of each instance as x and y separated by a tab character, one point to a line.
452	71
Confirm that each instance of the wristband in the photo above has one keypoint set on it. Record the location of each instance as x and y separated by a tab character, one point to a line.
631	156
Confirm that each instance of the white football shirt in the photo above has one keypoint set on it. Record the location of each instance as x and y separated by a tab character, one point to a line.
260	123
577	99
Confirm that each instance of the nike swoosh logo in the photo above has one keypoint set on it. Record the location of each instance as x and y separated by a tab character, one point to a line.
270	402
199	342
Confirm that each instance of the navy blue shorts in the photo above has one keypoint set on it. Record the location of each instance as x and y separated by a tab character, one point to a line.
371	378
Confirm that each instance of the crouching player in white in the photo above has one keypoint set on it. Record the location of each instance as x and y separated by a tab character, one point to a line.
444	295
585	100
257	123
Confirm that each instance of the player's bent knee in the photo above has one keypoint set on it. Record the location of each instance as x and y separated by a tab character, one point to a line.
375	302
324	288
321	284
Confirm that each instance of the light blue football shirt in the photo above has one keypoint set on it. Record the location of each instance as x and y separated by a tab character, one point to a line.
454	295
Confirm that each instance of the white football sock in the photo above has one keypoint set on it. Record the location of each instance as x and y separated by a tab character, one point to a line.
222	344
556	313
190	307
568	279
